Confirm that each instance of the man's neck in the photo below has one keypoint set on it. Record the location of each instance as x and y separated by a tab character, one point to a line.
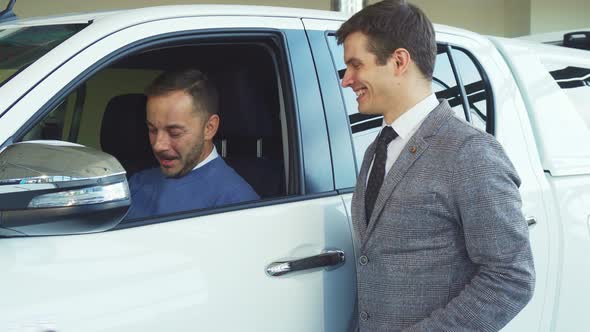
409	96
209	153
411	99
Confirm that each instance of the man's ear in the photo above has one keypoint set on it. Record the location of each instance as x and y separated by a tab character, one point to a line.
401	60
211	127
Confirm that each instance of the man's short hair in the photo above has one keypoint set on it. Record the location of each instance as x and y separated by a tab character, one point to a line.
192	81
393	24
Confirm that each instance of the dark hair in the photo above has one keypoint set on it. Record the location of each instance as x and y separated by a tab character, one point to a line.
191	81
393	24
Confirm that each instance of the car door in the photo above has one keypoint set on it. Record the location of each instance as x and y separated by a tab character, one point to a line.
199	270
494	108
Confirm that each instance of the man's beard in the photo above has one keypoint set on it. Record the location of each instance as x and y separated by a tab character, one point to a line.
192	160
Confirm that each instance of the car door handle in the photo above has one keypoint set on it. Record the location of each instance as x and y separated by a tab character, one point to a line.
326	259
531	221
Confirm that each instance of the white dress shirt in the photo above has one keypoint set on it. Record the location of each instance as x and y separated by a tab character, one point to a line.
405	126
210	157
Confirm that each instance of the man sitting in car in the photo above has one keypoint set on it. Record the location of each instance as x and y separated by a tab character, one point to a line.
182	120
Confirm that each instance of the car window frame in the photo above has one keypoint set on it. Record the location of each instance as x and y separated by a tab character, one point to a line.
298	177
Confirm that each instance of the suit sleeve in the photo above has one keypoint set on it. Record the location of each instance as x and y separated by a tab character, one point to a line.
486	197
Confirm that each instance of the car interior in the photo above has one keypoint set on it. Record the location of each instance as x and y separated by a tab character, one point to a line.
107	111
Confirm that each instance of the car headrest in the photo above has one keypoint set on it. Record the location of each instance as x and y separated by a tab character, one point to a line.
246	104
124	133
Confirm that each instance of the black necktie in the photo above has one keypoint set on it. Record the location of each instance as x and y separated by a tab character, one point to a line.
378	169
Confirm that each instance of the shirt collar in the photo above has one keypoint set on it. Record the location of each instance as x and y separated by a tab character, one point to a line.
209	158
405	125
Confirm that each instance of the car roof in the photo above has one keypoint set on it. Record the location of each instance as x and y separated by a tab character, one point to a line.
543	49
146	14
553	37
128	17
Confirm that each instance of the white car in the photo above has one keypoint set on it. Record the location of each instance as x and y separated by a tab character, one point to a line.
72	131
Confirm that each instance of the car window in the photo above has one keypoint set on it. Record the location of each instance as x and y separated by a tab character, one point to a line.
473	94
478	94
20	47
107	111
444	82
78	117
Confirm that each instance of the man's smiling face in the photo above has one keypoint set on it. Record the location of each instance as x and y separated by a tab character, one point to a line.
374	84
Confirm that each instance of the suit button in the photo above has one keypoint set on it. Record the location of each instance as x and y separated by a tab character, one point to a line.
364	316
363	260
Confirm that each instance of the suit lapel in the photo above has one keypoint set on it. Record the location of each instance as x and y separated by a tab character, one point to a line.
417	144
394	176
358	213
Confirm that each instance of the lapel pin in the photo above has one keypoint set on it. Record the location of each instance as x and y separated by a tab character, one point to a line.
413	149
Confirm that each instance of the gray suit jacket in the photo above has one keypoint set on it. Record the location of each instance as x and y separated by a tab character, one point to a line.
447	246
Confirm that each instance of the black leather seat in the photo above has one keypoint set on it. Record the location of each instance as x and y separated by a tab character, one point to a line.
124	134
249	136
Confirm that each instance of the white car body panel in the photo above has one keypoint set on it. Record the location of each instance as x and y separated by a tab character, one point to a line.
175	276
573	201
562	152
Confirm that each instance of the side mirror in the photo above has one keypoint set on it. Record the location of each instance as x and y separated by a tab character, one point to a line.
56	188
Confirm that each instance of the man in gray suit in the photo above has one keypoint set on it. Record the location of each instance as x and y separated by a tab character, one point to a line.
437	212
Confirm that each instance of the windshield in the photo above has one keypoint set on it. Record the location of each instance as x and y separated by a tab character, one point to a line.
20	47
